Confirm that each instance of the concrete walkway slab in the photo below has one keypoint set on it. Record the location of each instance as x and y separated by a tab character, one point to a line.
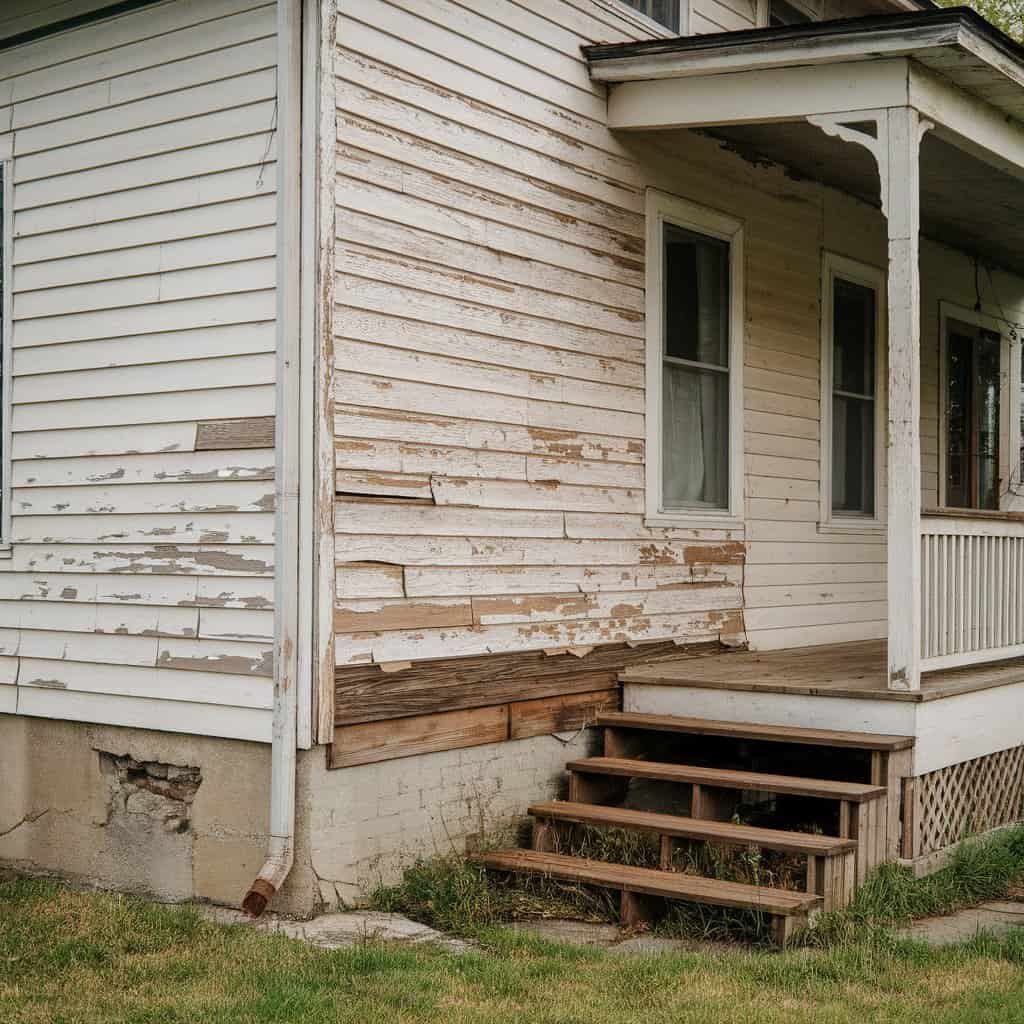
996	918
338	931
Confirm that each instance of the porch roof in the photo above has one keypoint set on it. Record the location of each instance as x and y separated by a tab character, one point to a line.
763	90
956	43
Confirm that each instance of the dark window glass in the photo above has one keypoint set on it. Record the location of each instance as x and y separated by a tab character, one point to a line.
781	13
854	316
665	12
972	417
695	389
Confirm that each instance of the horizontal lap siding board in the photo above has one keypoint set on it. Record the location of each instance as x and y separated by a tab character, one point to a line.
802	586
488	384
139	590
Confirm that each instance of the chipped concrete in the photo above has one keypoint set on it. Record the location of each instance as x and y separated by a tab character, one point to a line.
339	931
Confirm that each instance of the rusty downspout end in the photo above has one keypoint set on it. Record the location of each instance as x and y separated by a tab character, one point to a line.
257	898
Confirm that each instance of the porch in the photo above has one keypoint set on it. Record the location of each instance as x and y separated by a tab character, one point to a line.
965	774
920	116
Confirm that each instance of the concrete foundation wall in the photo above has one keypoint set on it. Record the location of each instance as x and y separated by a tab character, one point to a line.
363	825
185	817
119	808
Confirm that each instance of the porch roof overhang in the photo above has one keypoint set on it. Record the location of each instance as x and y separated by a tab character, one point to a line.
765	91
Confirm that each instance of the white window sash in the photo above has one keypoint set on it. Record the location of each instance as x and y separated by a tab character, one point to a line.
663	209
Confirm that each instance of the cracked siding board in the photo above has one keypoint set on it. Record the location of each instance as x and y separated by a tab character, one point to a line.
140	585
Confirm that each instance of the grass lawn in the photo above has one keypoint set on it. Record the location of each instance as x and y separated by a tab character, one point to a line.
68	956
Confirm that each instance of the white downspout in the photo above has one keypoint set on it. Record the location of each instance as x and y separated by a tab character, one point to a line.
281	853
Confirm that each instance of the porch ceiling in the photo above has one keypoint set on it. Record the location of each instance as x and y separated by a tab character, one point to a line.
965	202
760	91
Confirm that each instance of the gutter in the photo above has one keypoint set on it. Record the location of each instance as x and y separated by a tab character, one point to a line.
284	747
879	34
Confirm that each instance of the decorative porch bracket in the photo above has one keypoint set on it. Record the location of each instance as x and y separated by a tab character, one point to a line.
895	144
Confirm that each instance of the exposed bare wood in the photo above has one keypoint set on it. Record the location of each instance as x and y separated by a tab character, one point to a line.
363	694
251	432
383	741
566	713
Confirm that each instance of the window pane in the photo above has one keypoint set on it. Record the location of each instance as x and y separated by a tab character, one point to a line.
972	418
853	338
695	437
696	297
987	384
853	455
958	420
853	406
664	11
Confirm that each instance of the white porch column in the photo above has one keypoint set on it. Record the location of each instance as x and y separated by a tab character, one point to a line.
901	178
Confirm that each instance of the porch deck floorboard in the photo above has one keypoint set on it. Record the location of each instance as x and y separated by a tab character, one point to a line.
836	670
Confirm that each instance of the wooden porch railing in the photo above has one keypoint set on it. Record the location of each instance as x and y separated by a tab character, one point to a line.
972	590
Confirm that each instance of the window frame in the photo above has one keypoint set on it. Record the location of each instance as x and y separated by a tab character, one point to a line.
814	9
6	330
834	266
661	209
1009	403
682	29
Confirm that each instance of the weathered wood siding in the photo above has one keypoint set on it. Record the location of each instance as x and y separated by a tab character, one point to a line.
138	587
489	348
489	340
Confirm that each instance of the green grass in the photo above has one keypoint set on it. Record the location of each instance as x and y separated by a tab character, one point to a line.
84	958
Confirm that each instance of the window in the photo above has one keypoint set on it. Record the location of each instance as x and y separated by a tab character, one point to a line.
665	12
694	355
972	415
851	385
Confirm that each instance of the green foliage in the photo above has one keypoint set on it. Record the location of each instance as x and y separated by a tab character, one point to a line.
981	869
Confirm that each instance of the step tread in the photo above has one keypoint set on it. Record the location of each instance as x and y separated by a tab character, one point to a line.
725	778
668	884
692	828
754	730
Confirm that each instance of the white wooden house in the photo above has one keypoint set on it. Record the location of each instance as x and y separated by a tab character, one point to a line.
392	387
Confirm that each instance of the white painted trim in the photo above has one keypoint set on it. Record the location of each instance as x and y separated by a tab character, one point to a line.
835	266
6	354
218	720
323	412
308	582
968	122
901	130
1009	396
662	209
964	658
756	97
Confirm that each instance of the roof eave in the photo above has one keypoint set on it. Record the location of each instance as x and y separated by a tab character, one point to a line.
849	39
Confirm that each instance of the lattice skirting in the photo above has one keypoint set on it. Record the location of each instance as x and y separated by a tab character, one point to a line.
968	798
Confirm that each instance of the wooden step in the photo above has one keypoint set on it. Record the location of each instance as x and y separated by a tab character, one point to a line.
830	860
722	778
755	731
723	833
788	910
